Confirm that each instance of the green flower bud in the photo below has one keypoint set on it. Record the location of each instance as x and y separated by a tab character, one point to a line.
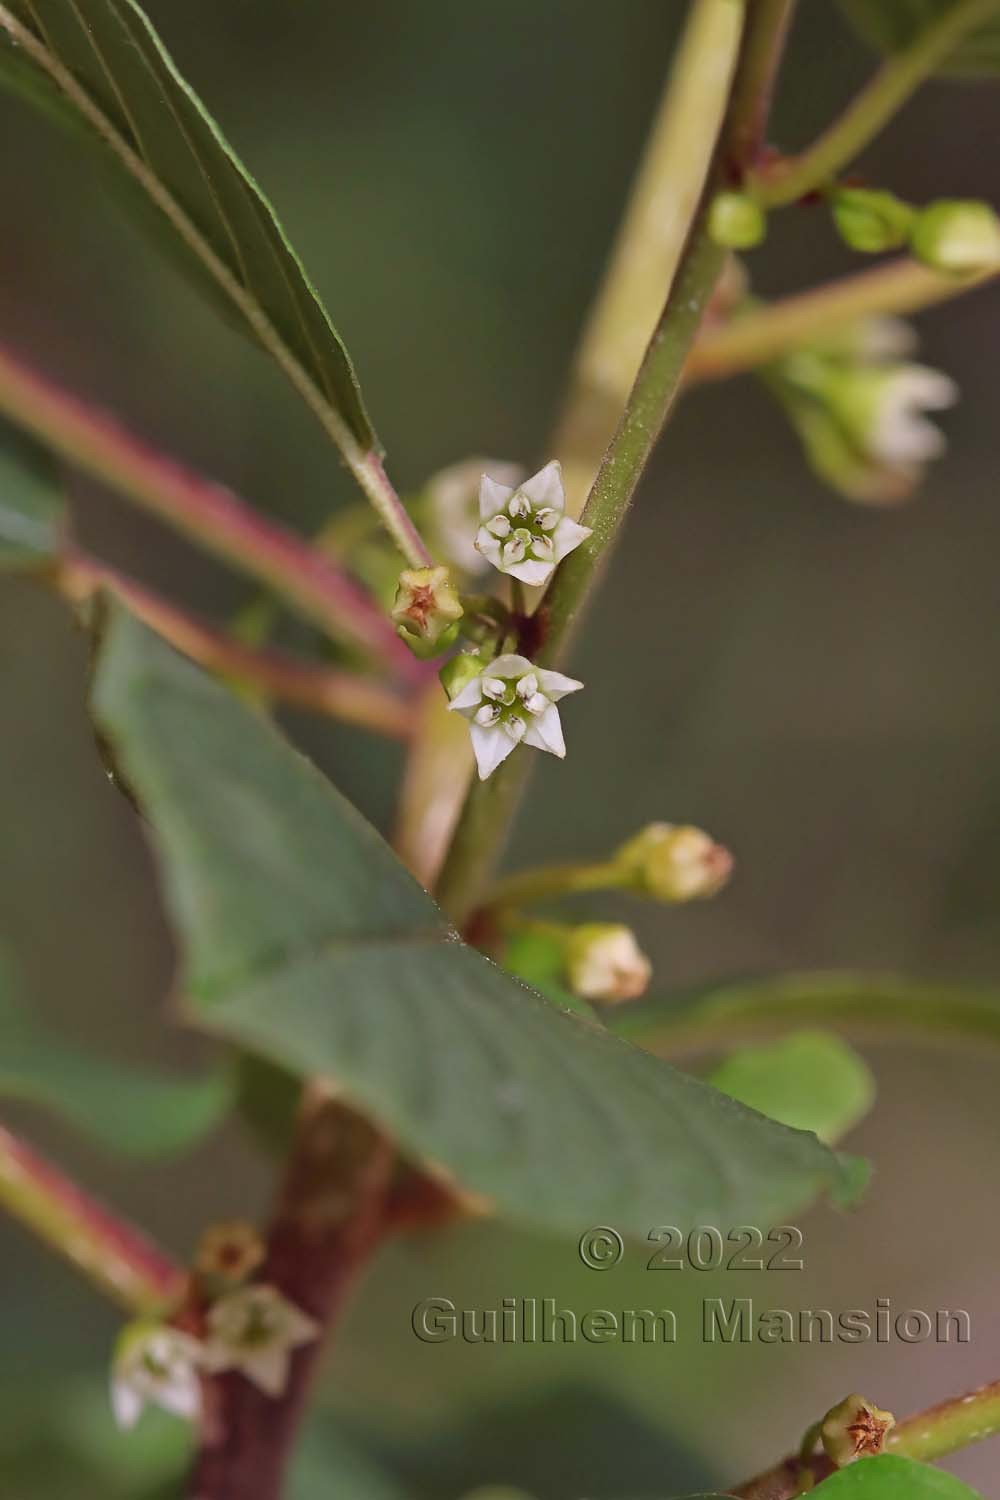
671	863
459	671
957	235
855	1428
427	610
605	963
870	220
736	221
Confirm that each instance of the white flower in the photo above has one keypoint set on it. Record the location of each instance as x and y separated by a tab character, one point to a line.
525	531
156	1364
254	1330
510	701
453	501
898	432
604	962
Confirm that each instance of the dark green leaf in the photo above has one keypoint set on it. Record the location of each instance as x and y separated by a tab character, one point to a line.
305	939
99	65
125	1108
811	1079
892	1478
31	507
890	25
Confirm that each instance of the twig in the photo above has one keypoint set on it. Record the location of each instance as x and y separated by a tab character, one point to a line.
209	514
276	674
120	1260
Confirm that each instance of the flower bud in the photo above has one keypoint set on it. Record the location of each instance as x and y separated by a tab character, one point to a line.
736	221
671	863
605	963
228	1253
855	1428
427	610
957	235
870	220
459	670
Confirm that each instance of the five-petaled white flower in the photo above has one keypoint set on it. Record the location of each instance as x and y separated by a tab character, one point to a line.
155	1364
254	1330
525	531
510	701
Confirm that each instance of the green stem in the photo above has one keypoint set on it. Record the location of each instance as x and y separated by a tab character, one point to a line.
210	515
882	98
268	673
755	338
865	1004
934	1433
490	806
364	464
114	1255
554	880
758	76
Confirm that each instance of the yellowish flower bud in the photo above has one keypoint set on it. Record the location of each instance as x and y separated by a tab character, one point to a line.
870	220
672	863
736	221
427	609
957	235
605	963
855	1428
229	1252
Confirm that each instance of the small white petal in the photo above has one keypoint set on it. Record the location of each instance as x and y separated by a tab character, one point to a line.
547	518
491	746
512	553
267	1368
545	732
487	546
498	526
182	1397
470	697
537	703
487	715
494	687
543	548
527	685
493	497
510	665
555	685
546	487
519	506
515	727
126	1403
568	535
530	571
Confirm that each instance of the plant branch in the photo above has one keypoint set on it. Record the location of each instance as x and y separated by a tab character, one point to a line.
540	884
331	1213
209	514
490	806
758	77
767	332
930	1434
787	180
365	465
125	1265
275	674
648	247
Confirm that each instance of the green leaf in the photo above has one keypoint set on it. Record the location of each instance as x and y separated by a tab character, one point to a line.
99	65
304	938
811	1079
891	25
892	1478
127	1109
31	507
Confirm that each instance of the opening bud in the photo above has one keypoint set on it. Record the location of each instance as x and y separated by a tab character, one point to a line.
427	610
605	963
736	221
957	235
674	863
459	671
870	220
855	1428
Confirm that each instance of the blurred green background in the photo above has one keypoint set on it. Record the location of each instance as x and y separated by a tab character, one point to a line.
814	683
